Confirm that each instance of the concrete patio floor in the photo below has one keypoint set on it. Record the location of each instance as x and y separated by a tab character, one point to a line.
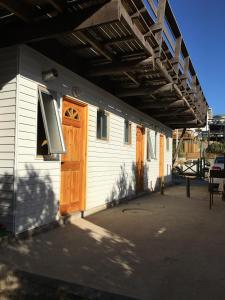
155	247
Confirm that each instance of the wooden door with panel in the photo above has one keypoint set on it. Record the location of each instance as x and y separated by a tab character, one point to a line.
73	162
140	133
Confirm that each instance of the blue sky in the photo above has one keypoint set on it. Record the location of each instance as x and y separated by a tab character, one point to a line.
202	23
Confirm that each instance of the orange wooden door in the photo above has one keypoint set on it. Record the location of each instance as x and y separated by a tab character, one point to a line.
73	164
140	159
161	156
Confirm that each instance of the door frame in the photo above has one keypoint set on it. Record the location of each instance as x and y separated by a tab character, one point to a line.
143	157
85	140
162	155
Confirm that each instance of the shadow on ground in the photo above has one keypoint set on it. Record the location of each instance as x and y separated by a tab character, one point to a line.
31	286
153	248
67	253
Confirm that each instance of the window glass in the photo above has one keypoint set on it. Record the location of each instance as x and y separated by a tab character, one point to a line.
127	132
42	144
219	160
102	125
50	122
99	125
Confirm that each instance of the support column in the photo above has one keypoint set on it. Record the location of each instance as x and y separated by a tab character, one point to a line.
179	145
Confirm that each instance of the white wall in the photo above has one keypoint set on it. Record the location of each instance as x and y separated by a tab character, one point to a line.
8	83
38	181
110	165
168	160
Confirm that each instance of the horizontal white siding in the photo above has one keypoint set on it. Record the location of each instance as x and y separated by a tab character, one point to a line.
110	164
111	168
152	181
168	161
8	84
37	180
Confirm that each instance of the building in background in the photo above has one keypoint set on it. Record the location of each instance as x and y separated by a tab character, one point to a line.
217	129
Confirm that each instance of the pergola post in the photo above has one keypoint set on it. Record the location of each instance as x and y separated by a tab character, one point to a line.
179	145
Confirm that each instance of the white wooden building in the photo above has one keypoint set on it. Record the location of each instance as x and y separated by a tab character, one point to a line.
89	94
30	183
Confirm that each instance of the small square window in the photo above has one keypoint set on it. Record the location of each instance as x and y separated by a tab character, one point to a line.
127	132
49	130
102	125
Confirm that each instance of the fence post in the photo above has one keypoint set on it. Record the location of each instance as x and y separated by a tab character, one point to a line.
188	187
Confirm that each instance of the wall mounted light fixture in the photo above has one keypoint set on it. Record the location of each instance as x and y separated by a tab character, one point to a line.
75	91
49	75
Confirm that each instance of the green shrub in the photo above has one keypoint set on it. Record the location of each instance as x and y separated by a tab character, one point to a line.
216	147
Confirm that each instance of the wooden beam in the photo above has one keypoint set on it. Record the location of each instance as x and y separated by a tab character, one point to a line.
162	104
117	68
133	92
164	89
119	13
160	20
63	23
104	52
136	31
175	118
175	61
122	39
186	65
153	7
58	5
96	45
19	8
145	91
108	44
132	78
107	14
183	123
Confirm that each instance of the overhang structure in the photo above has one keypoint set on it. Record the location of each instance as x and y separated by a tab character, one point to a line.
132	48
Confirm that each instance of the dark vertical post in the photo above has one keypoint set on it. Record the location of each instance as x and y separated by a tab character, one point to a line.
188	187
204	166
224	163
162	185
200	161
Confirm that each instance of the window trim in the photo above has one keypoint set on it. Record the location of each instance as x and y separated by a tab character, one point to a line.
129	132
44	90
106	139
